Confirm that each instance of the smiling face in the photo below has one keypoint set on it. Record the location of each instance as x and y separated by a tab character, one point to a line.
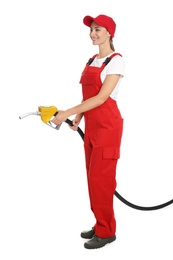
98	34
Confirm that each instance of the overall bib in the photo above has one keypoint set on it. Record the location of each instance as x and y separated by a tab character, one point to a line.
103	131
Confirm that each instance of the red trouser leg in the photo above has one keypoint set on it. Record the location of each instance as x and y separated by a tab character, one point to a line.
88	152
101	174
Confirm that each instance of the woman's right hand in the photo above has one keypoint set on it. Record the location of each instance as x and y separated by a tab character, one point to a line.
76	122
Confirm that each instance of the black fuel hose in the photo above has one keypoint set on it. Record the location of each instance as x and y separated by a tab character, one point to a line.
69	122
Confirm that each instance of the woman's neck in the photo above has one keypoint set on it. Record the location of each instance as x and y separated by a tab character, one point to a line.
104	53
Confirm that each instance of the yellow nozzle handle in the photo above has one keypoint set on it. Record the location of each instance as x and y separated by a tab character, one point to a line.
47	112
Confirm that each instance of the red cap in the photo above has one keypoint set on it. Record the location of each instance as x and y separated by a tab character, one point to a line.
102	20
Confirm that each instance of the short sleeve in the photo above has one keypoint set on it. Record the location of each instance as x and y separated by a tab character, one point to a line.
116	66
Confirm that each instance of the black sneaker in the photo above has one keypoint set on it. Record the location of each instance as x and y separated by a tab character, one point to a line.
88	234
97	242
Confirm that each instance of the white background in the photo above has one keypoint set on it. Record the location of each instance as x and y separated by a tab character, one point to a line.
43	192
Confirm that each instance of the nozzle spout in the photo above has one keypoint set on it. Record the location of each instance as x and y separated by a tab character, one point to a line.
37	113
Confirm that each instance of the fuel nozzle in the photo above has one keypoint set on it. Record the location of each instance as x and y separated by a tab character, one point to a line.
47	112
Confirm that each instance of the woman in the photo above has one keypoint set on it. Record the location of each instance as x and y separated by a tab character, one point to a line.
100	81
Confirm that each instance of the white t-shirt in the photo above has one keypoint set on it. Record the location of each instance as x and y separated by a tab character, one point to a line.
115	66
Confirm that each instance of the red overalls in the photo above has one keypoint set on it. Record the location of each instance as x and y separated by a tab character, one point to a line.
103	131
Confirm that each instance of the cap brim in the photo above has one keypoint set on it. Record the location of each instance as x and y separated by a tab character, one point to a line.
88	20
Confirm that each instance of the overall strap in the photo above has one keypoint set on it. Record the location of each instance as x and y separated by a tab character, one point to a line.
109	58
91	59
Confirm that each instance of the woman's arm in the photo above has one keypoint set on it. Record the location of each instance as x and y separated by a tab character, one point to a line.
108	86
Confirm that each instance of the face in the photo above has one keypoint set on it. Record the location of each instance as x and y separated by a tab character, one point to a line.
98	34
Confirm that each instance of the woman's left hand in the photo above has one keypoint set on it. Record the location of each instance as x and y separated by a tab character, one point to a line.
60	117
